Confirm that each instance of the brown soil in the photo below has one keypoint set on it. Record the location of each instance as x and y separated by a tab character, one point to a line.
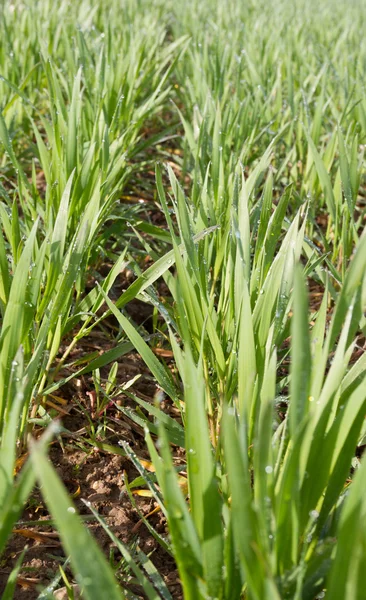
92	474
89	474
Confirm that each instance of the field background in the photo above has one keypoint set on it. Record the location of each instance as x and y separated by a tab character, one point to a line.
182	299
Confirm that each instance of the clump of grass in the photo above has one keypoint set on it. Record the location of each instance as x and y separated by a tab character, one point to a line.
266	193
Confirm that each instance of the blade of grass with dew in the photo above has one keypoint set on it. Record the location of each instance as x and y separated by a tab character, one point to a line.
206	505
246	527
301	359
347	574
184	536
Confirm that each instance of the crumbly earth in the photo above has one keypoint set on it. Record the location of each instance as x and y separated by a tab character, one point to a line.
97	477
90	473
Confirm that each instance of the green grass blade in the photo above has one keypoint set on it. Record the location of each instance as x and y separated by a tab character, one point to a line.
300	355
